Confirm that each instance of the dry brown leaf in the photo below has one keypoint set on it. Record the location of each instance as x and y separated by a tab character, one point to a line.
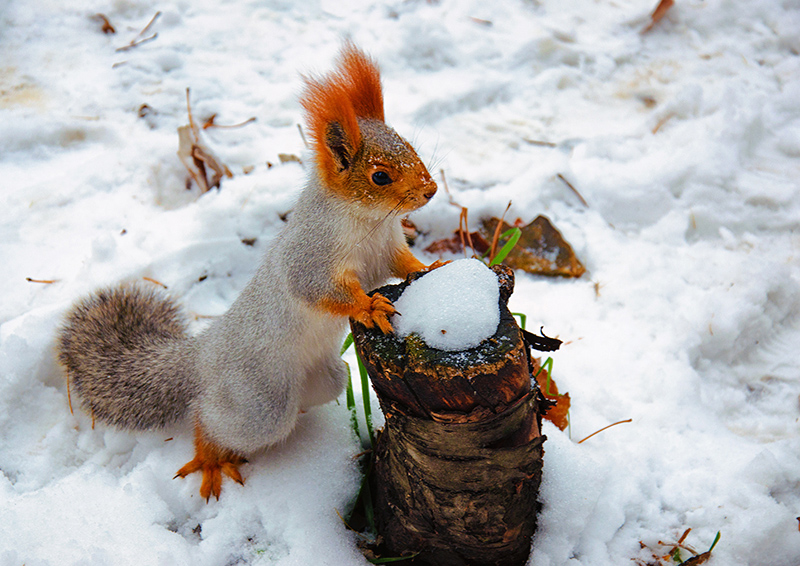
107	27
203	166
557	413
541	249
454	245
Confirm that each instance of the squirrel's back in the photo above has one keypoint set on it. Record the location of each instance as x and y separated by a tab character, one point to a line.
128	357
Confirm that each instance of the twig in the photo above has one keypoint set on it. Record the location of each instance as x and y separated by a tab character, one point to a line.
573	189
481	21
677	545
69	397
496	236
659	12
302	135
662	121
45	281
139	39
156	282
210	124
189	112
604	428
540	142
463	218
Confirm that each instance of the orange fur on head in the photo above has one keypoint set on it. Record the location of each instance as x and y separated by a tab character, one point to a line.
350	92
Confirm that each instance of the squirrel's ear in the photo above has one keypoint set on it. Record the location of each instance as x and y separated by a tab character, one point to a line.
340	147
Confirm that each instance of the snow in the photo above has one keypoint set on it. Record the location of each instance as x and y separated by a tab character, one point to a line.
684	142
453	308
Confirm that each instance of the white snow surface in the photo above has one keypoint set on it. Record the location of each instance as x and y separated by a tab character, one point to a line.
684	142
453	308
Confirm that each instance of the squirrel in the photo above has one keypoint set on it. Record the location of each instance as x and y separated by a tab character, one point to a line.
276	351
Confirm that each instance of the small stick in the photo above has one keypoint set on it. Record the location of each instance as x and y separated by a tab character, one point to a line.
481	21
659	12
302	135
678	544
136	41
211	124
150	23
156	282
604	428
496	237
69	397
540	142
573	189
189	111
45	281
661	122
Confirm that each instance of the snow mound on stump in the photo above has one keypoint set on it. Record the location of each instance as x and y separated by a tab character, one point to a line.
454	307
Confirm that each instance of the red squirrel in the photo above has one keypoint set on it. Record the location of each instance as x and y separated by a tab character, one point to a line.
275	353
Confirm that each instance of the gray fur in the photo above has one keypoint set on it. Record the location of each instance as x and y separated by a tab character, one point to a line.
249	374
128	358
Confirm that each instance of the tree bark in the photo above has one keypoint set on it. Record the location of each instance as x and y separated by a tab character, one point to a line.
458	465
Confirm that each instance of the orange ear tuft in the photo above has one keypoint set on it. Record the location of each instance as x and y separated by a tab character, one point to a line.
363	82
338	99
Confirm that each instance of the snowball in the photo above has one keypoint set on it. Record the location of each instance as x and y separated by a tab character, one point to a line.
454	307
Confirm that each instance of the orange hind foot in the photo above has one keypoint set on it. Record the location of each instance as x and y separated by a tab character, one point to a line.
213	461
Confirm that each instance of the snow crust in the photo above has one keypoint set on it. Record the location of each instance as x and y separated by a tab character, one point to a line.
454	307
684	142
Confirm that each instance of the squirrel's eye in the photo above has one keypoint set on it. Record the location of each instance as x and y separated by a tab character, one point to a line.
381	178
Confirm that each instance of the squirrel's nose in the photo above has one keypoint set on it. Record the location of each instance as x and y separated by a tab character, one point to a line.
430	192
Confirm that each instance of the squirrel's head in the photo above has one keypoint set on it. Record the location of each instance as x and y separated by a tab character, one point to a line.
357	155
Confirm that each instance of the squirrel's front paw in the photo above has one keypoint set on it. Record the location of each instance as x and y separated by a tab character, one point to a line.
436	265
377	313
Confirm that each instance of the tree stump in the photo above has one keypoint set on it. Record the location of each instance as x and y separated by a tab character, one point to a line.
456	470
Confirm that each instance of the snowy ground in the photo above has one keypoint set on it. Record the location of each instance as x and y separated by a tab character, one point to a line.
686	321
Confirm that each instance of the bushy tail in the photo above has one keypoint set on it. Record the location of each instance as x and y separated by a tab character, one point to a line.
128	357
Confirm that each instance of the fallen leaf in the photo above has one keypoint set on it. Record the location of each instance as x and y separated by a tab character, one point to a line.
203	166
453	245
541	249
289	158
557	413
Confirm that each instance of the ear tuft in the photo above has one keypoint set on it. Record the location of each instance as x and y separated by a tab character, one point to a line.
350	92
363	82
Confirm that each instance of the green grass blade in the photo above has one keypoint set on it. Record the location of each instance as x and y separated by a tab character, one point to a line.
395	559
548	365
366	498
716	540
523	318
513	236
351	404
350	395
347	343
365	399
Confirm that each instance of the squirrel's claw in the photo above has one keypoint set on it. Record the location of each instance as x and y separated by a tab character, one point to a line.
377	313
213	461
436	265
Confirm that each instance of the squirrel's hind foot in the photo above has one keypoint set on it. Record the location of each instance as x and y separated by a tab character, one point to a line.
213	461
